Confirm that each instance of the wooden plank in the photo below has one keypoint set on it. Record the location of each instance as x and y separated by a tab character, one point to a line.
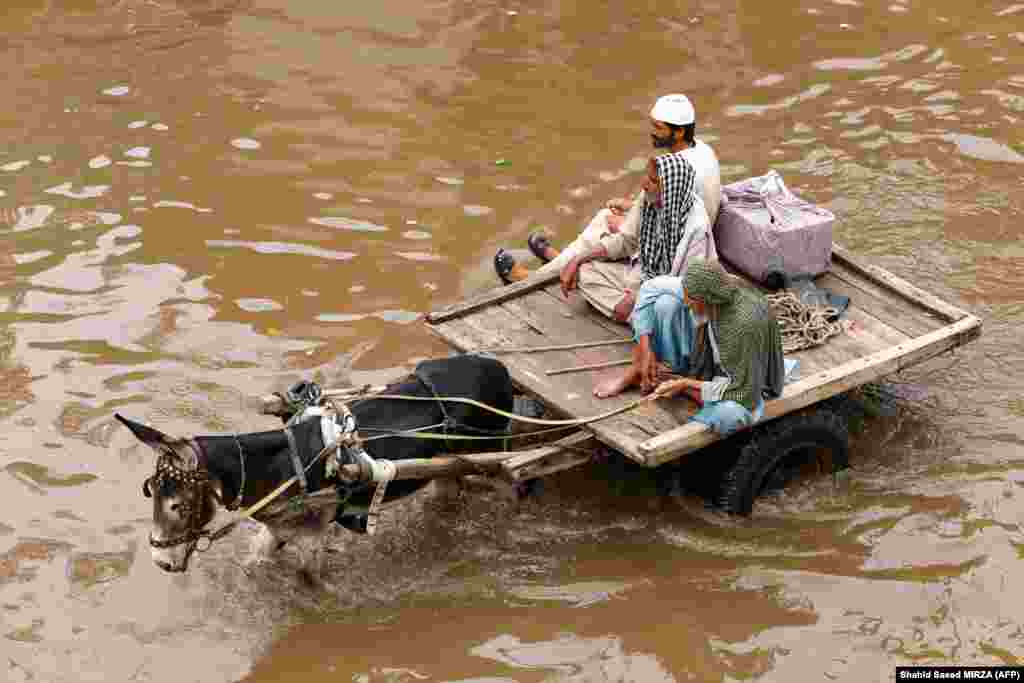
566	324
576	390
556	462
522	458
863	335
874	333
655	418
420	468
944	310
590	313
491	296
561	455
520	312
623	436
810	362
504	328
658	417
833	352
899	313
622	432
822	385
568	395
555	347
855	341
591	366
549	303
527	370
455	335
650	418
513	465
645	421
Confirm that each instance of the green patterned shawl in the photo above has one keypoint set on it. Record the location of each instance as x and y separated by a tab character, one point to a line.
749	341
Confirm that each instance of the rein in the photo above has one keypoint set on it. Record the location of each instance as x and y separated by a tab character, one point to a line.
559	424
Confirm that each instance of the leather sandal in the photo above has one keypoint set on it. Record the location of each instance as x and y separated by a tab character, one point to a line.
504	262
539	243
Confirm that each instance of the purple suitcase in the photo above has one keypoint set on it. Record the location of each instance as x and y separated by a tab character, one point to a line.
763	228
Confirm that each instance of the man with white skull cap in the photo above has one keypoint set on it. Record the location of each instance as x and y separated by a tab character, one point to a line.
609	281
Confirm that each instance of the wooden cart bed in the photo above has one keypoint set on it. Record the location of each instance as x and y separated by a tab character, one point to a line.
892	325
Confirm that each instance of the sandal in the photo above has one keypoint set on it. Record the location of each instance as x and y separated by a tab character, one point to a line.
504	262
539	244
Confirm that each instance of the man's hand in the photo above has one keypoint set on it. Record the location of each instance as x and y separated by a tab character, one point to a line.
570	276
571	271
619	206
674	387
615	221
624	308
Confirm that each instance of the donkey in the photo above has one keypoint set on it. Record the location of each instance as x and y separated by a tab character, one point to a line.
194	476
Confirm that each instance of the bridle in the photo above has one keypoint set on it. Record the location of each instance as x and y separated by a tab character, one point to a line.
197	481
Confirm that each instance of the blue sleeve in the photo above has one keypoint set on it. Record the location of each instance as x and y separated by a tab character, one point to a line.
643	319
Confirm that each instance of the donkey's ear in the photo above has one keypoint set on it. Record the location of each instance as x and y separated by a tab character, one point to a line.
147	435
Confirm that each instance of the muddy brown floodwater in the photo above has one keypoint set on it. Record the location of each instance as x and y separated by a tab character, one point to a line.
202	200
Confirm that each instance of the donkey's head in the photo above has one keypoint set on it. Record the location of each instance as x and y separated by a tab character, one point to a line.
184	496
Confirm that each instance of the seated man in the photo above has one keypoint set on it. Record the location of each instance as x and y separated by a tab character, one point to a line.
615	227
719	333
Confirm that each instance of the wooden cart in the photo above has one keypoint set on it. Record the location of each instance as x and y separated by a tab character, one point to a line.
891	325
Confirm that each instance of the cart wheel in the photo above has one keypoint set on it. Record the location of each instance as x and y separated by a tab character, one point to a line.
815	443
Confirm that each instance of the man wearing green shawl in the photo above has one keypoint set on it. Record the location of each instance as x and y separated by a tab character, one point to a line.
719	333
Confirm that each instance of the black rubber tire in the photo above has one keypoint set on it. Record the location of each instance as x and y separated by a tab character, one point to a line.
773	451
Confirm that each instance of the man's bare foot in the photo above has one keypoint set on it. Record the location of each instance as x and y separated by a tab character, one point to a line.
616	385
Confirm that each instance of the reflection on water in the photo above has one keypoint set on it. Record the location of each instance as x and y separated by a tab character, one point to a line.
204	200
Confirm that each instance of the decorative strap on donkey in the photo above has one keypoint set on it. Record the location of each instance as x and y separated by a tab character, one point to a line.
340	434
301	396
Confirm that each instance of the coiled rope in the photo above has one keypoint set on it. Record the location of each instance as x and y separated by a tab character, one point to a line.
803	326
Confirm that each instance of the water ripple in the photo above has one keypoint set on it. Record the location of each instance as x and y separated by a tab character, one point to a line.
87	192
174	204
15	166
983	148
343	223
283	248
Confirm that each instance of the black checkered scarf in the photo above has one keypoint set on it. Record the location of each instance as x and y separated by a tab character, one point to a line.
661	228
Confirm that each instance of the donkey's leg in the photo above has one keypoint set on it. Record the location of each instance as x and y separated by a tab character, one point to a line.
310	541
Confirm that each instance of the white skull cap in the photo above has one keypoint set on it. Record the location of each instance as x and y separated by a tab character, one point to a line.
675	109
